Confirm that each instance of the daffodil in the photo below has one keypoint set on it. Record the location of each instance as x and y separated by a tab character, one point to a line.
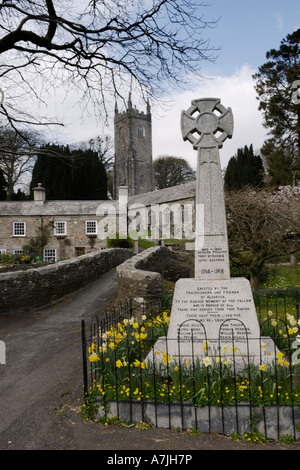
166	358
94	357
207	361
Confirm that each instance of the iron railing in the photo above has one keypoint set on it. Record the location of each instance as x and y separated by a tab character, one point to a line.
129	377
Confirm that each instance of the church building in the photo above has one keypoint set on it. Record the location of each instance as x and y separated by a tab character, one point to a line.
133	166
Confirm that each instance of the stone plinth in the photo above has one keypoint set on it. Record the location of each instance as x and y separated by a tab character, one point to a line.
214	320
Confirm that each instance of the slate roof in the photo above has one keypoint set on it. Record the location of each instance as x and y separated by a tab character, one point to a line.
50	208
174	193
77	208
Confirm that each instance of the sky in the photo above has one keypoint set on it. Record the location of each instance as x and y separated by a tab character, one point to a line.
245	32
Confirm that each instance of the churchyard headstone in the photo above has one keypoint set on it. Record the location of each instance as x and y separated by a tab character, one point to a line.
213	316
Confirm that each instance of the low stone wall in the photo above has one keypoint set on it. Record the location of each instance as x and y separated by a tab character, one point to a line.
141	277
272	421
40	286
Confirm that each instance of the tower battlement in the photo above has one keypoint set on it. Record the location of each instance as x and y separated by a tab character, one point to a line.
133	166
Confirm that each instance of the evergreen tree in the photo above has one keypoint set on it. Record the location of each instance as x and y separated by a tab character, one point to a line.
52	169
89	180
280	165
20	196
275	82
3	186
70	175
244	169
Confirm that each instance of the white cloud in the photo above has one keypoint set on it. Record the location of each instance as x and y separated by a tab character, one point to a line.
279	21
235	91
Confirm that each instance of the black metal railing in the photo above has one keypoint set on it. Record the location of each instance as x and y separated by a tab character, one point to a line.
132	369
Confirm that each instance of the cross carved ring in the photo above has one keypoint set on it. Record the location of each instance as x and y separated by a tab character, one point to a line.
207	123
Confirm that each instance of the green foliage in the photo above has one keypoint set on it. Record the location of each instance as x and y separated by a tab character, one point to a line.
274	82
253	435
280	165
244	169
34	247
287	439
144	243
118	242
194	431
70	175
115	421
281	277
9	259
123	373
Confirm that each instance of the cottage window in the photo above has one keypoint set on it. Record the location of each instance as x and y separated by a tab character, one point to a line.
49	254
19	229
91	227
60	228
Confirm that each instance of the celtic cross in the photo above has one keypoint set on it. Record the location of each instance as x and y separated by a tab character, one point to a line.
206	125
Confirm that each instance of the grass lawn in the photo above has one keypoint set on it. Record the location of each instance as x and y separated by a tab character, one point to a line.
282	277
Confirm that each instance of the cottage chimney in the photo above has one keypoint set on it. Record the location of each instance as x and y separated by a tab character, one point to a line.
123	192
39	194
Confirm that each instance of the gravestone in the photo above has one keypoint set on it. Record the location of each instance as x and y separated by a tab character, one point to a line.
213	315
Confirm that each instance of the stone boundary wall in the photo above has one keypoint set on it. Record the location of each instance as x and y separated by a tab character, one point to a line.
22	290
141	277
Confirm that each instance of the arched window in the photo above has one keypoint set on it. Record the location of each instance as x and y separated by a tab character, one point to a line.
141	131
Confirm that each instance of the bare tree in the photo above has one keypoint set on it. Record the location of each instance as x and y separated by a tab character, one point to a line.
16	158
18	153
262	225
103	145
100	47
171	171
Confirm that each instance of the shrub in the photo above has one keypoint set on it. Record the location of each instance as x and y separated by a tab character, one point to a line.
118	242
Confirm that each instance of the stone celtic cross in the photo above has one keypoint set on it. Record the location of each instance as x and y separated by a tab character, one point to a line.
212	309
206	125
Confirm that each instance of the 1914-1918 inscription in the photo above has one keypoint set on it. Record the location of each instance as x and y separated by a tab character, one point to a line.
212	308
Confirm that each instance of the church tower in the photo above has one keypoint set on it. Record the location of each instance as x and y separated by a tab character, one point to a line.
133	165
